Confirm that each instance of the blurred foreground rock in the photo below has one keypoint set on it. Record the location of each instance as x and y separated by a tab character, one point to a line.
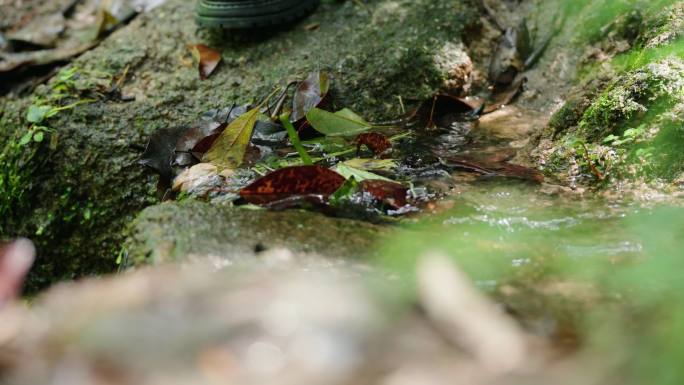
283	321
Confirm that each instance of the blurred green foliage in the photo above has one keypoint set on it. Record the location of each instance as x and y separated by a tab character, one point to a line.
631	257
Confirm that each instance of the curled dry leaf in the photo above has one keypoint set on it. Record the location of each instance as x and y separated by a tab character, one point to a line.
293	181
309	94
207	58
504	97
375	142
390	193
194	176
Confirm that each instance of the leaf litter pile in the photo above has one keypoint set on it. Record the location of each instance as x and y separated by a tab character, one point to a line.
57	31
293	150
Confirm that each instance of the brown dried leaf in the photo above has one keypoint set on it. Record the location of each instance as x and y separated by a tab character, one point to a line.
505	97
207	58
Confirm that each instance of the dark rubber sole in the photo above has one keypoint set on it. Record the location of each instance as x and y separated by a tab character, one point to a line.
252	14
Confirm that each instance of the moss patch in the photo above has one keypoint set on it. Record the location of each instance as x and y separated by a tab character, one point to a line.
623	122
177	231
76	195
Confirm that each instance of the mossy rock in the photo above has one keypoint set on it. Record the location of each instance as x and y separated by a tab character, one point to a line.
75	192
631	96
173	232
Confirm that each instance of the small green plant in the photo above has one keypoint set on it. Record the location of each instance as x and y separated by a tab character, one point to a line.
37	114
630	136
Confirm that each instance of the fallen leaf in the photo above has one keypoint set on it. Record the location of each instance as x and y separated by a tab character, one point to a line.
386	165
358	174
196	141
41	31
493	168
207	58
293	181
12	61
388	192
160	151
309	94
375	142
229	149
194	176
506	96
510	170
267	133
351	115
341	123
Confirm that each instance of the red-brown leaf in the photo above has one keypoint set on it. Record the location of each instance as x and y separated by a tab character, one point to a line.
293	181
390	193
377	143
208	59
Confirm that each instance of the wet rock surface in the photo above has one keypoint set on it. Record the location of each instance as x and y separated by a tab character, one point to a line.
183	232
75	191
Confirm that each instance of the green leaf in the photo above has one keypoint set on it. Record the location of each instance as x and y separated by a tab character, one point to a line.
360	175
26	138
38	136
341	123
36	114
351	115
372	164
231	146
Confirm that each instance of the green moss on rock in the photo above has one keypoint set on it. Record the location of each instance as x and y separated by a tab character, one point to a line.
631	96
174	232
76	195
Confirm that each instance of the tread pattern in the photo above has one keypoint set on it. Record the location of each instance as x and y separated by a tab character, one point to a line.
252	14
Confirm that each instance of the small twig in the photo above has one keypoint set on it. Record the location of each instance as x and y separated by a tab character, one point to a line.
431	122
364	6
490	14
280	102
123	77
593	167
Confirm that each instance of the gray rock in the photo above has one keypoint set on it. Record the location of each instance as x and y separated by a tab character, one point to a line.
75	192
225	235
